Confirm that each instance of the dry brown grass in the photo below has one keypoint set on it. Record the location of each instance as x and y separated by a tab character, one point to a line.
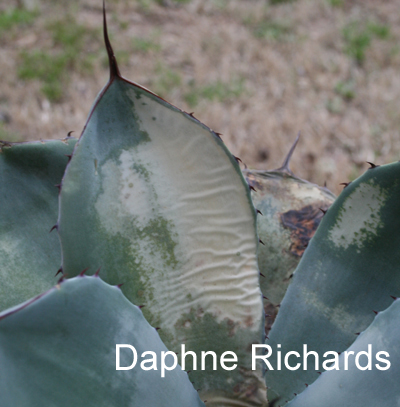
265	89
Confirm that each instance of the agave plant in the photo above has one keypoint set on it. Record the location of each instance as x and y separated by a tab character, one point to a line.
151	198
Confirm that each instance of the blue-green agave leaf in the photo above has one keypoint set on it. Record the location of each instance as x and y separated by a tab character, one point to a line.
359	388
29	255
154	198
350	268
59	350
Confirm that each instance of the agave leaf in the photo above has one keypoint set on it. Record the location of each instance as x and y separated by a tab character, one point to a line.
29	255
153	197
59	349
291	210
349	269
359	388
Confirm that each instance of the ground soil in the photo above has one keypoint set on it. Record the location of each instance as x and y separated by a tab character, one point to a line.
254	71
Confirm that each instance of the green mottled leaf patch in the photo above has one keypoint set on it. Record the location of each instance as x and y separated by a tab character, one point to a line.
350	268
154	198
29	255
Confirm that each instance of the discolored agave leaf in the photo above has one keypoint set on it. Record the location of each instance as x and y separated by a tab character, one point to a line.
350	268
29	255
291	209
59	349
359	388
154	198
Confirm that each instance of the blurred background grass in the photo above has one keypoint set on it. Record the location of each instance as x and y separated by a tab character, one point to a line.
256	71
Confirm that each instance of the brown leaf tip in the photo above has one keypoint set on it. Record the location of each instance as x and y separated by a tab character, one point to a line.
114	70
285	166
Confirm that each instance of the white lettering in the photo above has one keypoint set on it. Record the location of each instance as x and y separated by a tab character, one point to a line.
118	357
254	356
224	359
